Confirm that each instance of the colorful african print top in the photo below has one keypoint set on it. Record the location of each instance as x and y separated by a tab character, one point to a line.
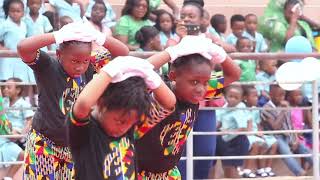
160	149
57	92
99	156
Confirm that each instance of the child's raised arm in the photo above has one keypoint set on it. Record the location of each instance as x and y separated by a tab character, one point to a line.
78	31
27	48
199	45
118	70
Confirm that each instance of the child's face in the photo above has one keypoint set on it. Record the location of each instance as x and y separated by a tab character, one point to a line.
190	15
156	43
75	58
140	9
251	23
191	82
270	67
233	97
238	28
117	122
98	13
16	12
34	5
252	98
288	12
222	27
64	21
295	97
165	22
277	95
11	90
245	45
205	22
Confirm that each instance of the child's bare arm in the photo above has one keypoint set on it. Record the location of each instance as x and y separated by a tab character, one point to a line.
165	96
90	95
231	71
27	48
116	47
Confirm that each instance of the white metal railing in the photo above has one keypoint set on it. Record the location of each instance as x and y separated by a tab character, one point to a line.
315	145
189	155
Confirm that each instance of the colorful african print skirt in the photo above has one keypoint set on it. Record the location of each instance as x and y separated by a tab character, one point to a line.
44	160
172	174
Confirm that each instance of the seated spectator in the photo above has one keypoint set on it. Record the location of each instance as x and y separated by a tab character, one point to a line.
248	67
237	26
9	151
260	144
36	22
192	14
75	9
233	121
251	21
98	13
281	22
218	26
13	30
134	16
300	118
110	16
267	73
205	23
63	20
280	120
165	24
149	39
21	119
53	19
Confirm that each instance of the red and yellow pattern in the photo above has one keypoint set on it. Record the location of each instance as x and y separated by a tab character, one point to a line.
45	160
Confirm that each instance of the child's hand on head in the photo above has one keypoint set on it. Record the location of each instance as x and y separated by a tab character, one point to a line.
198	45
122	68
190	45
99	37
74	32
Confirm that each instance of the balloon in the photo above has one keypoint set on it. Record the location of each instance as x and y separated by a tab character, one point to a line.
298	44
310	67
288	73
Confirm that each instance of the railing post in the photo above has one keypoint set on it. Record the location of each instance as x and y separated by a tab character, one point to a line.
189	166
315	128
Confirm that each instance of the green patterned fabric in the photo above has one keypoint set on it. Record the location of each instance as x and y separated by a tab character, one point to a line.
154	4
4	122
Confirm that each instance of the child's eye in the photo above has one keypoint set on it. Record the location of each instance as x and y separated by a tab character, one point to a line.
194	82
74	61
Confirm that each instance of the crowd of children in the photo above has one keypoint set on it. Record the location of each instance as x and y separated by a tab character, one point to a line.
147	129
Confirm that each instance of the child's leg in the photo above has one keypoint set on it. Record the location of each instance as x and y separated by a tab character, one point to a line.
273	151
250	165
293	165
238	146
14	168
263	151
230	172
307	161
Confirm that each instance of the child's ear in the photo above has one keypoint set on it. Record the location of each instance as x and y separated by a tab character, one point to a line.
172	75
